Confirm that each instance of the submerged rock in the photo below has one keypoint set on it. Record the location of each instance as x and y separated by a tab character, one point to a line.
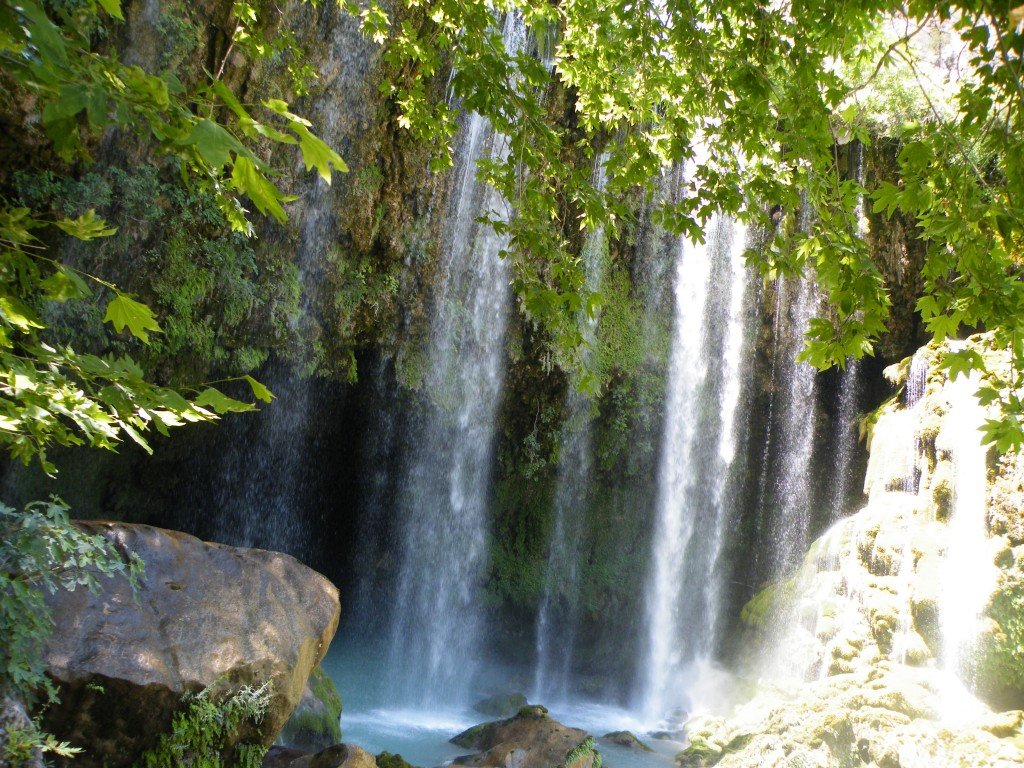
316	722
531	739
626	739
205	615
501	705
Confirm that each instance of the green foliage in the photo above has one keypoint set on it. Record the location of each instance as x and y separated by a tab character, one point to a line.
324	689
518	557
21	745
755	101
205	733
42	552
222	304
49	392
580	751
180	37
313	723
362	294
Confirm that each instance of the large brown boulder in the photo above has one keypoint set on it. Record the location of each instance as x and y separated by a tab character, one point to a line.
204	615
531	739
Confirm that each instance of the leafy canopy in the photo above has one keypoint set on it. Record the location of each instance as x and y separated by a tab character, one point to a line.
758	97
50	393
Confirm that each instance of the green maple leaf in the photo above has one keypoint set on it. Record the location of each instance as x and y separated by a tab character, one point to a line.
123	312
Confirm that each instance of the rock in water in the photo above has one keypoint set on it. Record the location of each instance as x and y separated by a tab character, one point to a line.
626	739
531	739
204	614
338	756
388	760
316	722
501	705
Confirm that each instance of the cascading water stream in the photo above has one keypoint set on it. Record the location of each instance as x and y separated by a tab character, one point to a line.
845	438
437	620
380	445
699	444
257	496
969	575
556	630
794	443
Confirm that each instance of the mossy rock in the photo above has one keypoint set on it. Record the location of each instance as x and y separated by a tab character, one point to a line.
774	600
469	738
316	722
388	760
699	754
626	739
999	674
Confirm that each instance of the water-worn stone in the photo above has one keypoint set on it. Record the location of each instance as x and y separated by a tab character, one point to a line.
501	705
205	614
531	739
316	722
337	756
626	739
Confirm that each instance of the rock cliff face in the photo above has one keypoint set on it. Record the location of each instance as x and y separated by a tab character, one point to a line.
894	643
205	615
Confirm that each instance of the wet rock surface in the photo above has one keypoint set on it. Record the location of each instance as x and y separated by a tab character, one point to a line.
531	739
883	718
625	739
861	657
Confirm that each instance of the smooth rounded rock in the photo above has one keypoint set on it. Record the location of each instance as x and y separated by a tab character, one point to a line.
531	739
204	615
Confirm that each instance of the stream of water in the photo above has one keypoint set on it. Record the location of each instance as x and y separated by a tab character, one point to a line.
435	630
558	613
682	599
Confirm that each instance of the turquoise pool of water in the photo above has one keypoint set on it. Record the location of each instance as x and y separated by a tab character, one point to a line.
376	722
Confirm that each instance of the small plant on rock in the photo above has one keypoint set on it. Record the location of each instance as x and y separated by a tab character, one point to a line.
203	733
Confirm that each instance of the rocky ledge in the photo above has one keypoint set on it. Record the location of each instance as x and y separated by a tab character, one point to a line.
879	717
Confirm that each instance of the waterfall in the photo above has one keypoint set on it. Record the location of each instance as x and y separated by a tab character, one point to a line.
789	443
260	484
556	630
845	437
968	575
436	624
380	446
917	378
699	444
